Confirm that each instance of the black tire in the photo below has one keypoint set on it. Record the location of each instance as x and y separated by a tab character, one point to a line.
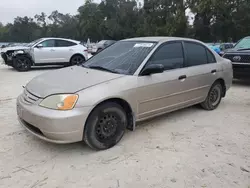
77	60
99	50
214	97
22	63
105	126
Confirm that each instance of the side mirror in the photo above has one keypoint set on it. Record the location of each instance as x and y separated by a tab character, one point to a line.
152	69
39	46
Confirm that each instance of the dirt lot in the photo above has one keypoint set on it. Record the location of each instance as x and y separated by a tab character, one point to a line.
188	148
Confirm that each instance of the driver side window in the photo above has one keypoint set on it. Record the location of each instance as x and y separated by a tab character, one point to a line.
48	43
170	55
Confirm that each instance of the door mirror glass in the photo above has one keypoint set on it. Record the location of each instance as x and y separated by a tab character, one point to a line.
39	45
152	69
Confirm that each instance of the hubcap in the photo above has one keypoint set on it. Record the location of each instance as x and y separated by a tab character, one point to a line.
107	126
215	95
77	60
22	63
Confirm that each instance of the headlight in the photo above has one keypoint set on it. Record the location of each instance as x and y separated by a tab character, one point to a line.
60	102
18	52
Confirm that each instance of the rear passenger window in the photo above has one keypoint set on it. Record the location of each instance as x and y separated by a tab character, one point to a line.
48	43
169	55
196	54
210	57
64	43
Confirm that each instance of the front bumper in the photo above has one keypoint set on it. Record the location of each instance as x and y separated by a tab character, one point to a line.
241	70
54	126
7	60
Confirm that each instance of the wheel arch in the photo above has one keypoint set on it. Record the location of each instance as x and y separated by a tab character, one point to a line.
77	54
223	84
26	55
125	105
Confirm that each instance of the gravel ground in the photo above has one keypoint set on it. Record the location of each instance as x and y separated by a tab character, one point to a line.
188	148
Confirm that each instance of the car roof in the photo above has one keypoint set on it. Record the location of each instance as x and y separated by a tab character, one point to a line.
47	38
159	39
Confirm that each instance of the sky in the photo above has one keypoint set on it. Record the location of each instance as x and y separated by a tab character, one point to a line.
9	9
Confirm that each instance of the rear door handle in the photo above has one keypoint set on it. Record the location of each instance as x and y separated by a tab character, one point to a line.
213	71
52	50
183	77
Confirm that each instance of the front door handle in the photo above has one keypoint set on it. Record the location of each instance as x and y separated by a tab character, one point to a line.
52	50
213	71
183	77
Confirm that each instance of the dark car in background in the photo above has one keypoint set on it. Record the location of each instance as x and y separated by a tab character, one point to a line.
224	47
240	57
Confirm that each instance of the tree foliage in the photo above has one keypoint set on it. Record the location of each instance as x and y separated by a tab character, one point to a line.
212	20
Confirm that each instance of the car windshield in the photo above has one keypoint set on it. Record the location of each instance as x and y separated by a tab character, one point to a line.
33	42
244	43
123	57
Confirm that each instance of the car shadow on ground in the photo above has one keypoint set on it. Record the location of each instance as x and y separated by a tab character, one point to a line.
46	67
37	68
241	82
170	116
62	148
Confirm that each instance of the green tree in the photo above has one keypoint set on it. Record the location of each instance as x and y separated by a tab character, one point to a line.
214	20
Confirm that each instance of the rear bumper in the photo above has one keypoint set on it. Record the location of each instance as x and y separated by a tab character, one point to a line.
53	126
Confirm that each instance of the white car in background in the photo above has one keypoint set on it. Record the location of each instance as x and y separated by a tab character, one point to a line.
45	51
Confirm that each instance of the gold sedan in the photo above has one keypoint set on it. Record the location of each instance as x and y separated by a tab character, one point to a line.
130	81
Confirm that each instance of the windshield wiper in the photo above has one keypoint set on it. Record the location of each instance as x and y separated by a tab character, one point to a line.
241	49
83	65
102	68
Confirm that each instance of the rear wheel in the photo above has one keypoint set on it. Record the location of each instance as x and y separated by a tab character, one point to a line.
214	97
22	63
99	50
105	126
77	60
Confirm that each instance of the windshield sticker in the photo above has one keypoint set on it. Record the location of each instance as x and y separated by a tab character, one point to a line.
143	45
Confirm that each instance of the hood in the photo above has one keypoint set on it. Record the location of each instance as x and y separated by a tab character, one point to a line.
68	80
235	50
15	48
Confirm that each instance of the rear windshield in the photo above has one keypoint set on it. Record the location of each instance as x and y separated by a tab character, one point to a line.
123	57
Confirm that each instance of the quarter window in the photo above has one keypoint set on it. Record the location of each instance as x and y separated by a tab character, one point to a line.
210	57
169	55
196	54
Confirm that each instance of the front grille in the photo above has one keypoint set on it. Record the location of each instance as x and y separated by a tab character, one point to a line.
32	128
29	98
235	58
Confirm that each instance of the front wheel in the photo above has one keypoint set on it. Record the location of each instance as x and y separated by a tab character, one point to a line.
105	126
22	63
214	97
